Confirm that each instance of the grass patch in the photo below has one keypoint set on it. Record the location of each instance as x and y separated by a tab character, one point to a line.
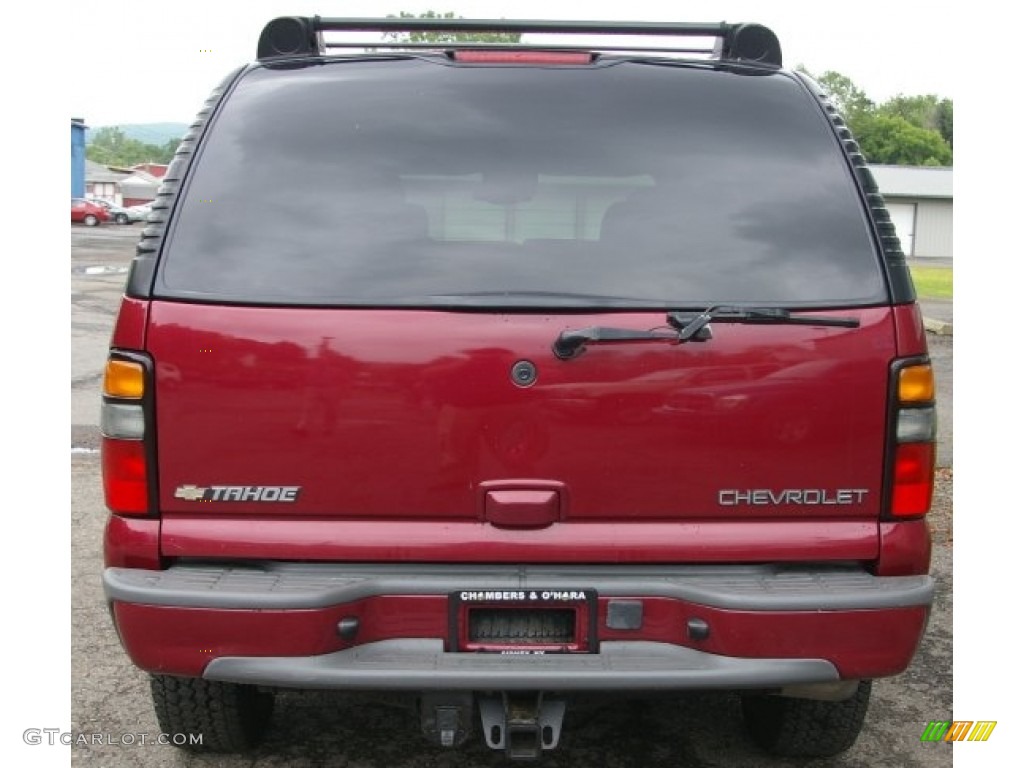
933	282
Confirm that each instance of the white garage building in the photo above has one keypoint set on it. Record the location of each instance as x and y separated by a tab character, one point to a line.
920	201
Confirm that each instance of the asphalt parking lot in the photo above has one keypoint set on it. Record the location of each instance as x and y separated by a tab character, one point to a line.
110	697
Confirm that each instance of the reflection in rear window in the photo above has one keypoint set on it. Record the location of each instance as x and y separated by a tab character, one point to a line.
415	183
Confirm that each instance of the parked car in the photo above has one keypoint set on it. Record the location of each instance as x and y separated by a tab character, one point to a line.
87	212
601	374
142	211
119	214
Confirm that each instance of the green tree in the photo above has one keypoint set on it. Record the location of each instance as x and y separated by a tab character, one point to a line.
446	37
905	130
945	116
893	140
110	146
168	149
851	101
928	112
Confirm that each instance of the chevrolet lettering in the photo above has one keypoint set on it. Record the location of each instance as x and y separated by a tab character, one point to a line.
595	372
803	496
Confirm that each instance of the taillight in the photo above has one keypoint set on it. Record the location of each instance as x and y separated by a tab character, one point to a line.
125	476
911	467
127	439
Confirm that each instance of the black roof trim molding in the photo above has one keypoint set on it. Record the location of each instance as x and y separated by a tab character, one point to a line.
142	271
900	282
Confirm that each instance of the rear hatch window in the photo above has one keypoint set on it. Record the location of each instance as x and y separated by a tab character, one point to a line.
418	183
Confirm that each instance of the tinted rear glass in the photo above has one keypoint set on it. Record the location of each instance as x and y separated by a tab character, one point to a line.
415	183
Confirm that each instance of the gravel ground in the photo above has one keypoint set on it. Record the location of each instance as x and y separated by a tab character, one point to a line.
941	516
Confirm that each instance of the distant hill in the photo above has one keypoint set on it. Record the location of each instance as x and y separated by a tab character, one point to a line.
157	134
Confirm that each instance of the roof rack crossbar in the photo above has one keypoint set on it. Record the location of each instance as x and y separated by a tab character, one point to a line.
715	29
291	37
405	46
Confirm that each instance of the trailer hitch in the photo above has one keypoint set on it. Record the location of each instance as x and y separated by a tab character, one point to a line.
521	724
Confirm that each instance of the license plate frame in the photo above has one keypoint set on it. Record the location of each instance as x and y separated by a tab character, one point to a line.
581	602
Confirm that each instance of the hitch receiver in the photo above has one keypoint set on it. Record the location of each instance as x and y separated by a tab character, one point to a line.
521	724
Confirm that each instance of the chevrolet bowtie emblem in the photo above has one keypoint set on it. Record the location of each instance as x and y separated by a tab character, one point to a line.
189	492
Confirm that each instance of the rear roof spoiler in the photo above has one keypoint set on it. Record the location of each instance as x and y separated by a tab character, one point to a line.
298	37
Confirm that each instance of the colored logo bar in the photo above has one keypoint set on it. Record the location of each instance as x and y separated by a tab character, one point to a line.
958	730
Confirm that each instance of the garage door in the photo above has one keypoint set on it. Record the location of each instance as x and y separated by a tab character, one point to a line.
902	215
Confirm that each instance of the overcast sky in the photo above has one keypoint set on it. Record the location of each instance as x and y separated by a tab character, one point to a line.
159	61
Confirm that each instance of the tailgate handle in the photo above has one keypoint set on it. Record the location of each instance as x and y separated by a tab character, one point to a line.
522	507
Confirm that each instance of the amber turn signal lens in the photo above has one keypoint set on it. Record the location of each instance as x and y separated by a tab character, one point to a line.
124	379
917	384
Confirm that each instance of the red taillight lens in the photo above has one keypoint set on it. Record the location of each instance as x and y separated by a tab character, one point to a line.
125	484
913	470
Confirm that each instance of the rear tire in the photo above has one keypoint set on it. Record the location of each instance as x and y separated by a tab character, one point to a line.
790	727
228	717
121	218
90	220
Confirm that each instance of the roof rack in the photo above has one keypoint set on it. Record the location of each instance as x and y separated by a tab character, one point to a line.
291	37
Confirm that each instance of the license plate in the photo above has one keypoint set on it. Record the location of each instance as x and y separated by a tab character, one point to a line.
523	621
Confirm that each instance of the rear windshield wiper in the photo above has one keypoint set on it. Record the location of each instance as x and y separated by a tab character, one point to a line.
571	342
690	325
686	326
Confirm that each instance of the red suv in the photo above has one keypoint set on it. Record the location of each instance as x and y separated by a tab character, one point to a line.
87	212
571	369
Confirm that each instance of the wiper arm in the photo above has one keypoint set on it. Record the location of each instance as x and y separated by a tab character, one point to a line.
690	325
571	342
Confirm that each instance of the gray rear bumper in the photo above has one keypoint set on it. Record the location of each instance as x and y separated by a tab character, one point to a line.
422	664
286	586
